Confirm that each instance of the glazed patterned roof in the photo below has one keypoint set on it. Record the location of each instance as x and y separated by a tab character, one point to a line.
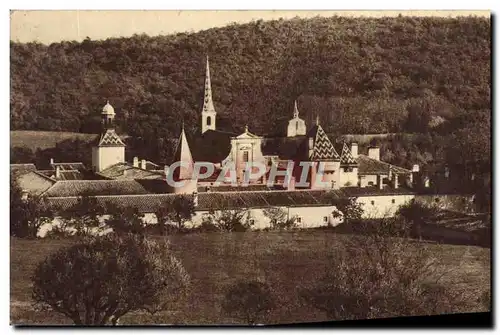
346	157
110	139
323	149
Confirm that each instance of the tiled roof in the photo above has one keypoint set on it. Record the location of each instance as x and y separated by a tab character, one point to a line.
95	187
368	166
110	138
323	149
149	203
229	188
78	166
346	157
126	171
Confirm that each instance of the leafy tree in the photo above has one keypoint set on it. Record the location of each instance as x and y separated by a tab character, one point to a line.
348	209
125	219
85	217
97	281
248	301
180	210
279	219
381	277
27	213
230	220
416	212
21	155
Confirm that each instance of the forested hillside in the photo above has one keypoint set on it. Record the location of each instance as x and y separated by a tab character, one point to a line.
429	76
358	75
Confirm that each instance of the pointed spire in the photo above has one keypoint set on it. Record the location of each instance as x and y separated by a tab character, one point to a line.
295	110
246	128
208	104
183	154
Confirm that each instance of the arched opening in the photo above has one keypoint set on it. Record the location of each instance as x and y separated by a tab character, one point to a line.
209	121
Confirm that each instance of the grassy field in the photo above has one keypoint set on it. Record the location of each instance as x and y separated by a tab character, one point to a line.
287	260
43	139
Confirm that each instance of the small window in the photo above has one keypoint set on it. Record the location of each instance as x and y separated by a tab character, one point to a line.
252	221
373	202
325	218
245	156
393	201
209	120
299	219
370	183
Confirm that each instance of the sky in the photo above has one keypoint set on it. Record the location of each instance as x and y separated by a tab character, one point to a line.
48	26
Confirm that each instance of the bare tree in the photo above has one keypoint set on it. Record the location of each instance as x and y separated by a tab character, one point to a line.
98	281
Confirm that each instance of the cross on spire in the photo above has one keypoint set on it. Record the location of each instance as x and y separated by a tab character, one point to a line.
317	120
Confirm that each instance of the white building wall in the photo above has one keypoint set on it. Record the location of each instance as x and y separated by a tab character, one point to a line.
348	178
383	205
104	157
366	179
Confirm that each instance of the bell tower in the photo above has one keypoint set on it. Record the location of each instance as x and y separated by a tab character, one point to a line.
208	114
110	149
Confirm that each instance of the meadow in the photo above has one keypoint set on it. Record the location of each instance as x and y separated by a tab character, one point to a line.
287	260
44	139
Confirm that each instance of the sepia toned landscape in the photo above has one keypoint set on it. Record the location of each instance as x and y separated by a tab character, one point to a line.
278	171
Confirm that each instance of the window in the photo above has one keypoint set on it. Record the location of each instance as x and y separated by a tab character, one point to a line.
245	156
325	218
373	202
348	169
393	201
251	221
299	219
370	183
209	120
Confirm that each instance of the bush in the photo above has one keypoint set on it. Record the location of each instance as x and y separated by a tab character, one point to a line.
99	280
383	277
248	301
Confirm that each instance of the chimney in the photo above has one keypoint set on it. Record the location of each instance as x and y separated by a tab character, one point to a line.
51	161
311	147
380	181
143	164
354	149
415	168
58	172
195	199
291	184
136	162
374	153
396	181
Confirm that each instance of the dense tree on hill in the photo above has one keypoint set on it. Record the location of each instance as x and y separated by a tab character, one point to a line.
358	75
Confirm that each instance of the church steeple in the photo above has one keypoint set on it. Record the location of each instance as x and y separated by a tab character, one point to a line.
295	110
296	126
208	113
